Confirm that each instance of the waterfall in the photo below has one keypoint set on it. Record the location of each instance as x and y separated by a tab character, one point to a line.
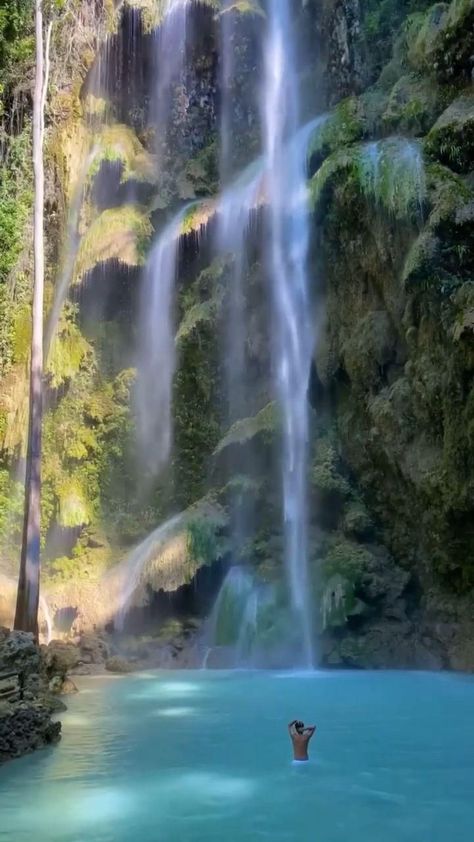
236	618
156	353
234	213
44	608
170	66
288	230
392	172
129	573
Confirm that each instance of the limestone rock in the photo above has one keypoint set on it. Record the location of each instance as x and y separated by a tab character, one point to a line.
94	648
62	686
26	703
25	727
119	665
61	657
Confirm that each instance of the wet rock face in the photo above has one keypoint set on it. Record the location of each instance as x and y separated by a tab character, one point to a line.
345	56
26	705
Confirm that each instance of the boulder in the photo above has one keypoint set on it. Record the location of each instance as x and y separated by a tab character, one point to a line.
19	652
61	657
26	703
119	665
93	648
68	687
25	727
62	686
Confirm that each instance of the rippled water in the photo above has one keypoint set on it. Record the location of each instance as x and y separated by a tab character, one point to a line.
205	757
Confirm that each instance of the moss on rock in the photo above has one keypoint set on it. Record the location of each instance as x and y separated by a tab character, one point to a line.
451	140
119	234
265	422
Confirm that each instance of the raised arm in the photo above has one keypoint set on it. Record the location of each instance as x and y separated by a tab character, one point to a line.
309	731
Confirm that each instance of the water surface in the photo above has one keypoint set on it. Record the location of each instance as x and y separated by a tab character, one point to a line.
205	757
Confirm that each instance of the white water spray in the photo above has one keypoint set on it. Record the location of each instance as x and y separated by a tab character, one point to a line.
130	572
288	224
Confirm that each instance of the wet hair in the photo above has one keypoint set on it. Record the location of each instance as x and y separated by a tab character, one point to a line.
299	726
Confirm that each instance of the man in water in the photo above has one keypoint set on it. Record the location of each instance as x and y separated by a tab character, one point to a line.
300	737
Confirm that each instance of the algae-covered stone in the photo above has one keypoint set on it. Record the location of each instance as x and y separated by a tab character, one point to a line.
451	139
413	105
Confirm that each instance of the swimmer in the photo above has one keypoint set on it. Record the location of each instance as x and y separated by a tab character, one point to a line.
300	737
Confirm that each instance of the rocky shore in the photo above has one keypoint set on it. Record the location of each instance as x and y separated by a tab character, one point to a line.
28	696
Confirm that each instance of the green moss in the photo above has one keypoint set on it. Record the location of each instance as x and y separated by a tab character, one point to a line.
95	106
440	41
205	311
91	556
392	173
389	173
252	7
205	543
422	32
68	350
119	143
451	139
332	168
413	105
196	405
265	422
16	199
326	475
197	217
153	11
357	520
11	511
346	559
120	234
17	46
344	126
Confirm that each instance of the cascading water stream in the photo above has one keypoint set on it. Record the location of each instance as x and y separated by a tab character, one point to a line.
170	66
235	621
130	572
234	213
156	355
44	608
288	229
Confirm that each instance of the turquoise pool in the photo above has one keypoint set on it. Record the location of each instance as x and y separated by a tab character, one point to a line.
205	757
